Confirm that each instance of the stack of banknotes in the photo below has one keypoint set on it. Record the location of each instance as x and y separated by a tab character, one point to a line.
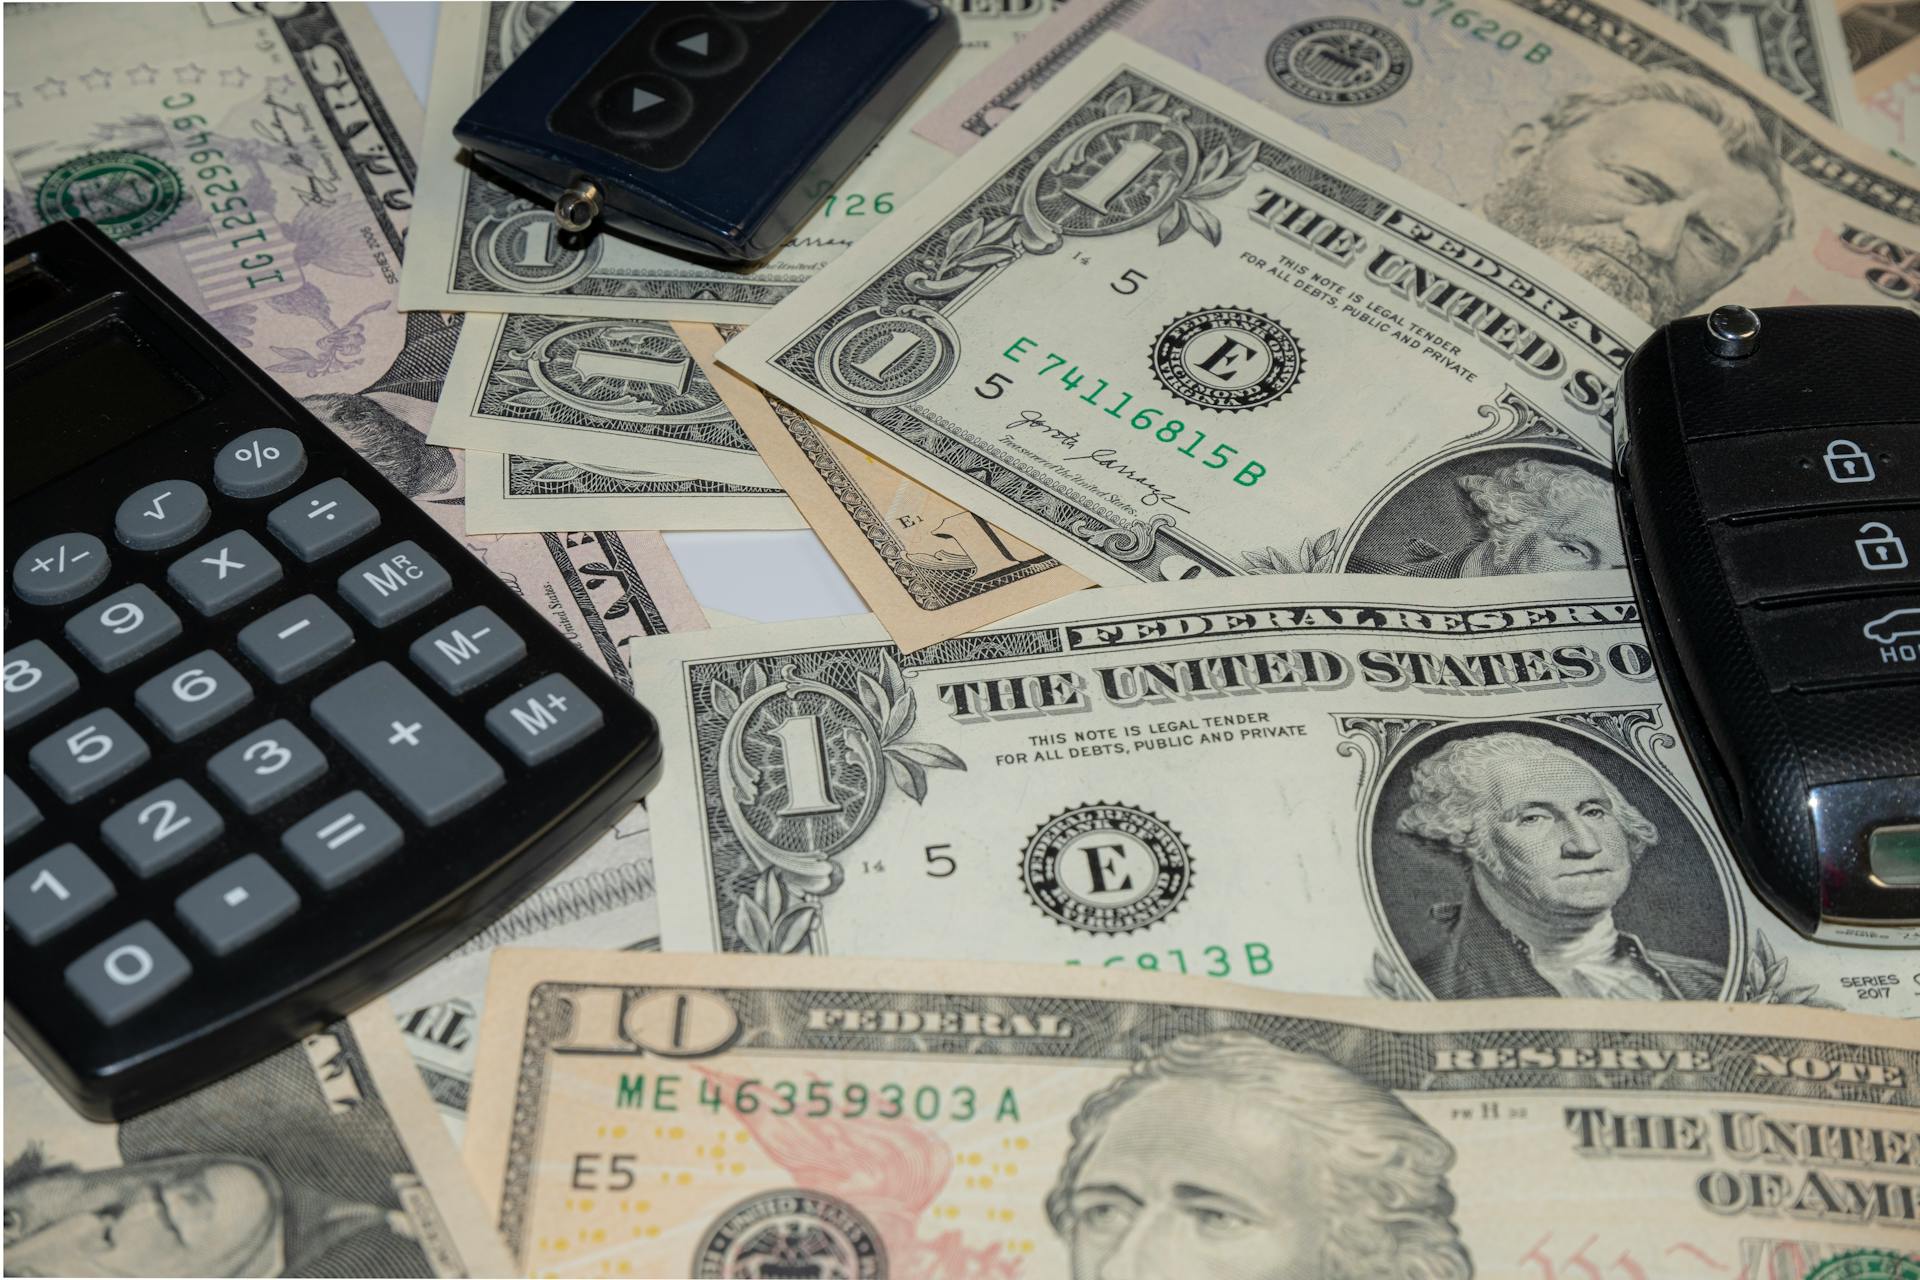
1211	400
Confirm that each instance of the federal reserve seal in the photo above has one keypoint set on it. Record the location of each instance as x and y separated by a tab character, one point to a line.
1107	868
1227	358
125	193
1868	1264
1339	61
792	1233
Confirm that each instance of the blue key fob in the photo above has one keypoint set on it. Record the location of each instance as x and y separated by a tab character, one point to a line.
710	128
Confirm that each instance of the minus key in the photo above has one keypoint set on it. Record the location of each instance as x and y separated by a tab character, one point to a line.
295	638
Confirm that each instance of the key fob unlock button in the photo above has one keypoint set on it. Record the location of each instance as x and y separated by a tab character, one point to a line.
1848	553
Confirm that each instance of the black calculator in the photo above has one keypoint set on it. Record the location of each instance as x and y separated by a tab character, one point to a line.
711	128
274	740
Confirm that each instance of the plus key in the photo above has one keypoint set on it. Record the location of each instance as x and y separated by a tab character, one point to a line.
410	745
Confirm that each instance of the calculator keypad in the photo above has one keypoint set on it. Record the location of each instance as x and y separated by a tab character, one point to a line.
193	695
295	638
127	972
162	514
92	752
162	828
411	745
236	904
126	625
61	568
267	766
340	840
54	891
221	574
35	678
322	520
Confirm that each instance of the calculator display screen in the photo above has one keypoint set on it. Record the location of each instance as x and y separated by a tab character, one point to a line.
83	399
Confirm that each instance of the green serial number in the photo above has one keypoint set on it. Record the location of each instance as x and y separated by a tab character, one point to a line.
1168	431
815	1099
1248	960
1482	28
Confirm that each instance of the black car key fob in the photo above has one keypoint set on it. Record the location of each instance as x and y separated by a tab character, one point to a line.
712	128
1770	492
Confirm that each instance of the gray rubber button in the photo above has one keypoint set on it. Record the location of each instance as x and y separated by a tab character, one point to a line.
468	651
193	695
126	625
52	892
162	514
224	572
127	972
92	752
162	828
259	463
22	814
295	638
339	841
61	568
323	519
410	744
267	766
394	583
544	719
34	677
236	904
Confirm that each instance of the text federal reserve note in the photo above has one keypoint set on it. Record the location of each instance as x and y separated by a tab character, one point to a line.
681	1116
261	164
483	248
1625	145
603	900
927	568
325	1159
1332	784
1158	332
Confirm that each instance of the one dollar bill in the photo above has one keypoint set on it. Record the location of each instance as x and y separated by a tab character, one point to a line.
1344	785
677	1116
1635	151
1159	332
